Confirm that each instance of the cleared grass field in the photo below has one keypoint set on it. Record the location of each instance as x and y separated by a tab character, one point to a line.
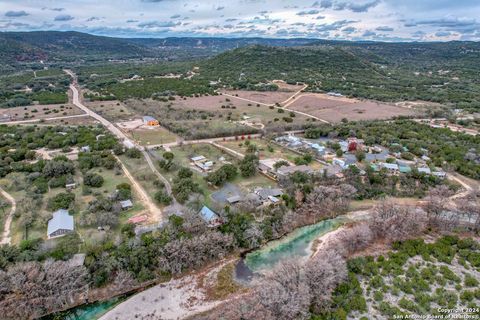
152	135
334	109
209	116
111	110
40	112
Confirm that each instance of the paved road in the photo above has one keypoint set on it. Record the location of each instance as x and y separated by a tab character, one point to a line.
117	132
6	239
126	141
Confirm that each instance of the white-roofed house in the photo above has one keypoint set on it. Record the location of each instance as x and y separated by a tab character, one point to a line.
126	204
61	224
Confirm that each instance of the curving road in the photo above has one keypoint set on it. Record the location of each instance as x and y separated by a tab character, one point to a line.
6	239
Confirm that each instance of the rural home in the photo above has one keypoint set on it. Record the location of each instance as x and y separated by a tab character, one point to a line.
150	121
265	193
285	171
203	163
126	204
210	217
268	165
61	224
391	167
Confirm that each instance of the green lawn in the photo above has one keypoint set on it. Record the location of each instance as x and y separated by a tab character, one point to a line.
154	135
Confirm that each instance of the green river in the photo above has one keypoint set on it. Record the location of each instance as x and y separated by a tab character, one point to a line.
294	245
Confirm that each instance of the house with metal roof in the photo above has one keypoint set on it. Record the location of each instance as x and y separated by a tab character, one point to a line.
126	204
403	168
288	170
197	158
210	217
61	224
392	167
150	121
425	170
264	193
234	199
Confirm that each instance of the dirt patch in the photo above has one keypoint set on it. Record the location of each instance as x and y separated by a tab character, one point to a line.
268	97
283	86
111	110
39	112
334	109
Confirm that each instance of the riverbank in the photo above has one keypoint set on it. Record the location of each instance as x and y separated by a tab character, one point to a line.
176	299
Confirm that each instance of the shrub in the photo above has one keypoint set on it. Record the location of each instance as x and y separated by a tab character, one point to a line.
93	180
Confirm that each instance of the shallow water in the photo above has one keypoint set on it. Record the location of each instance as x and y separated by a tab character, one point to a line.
91	311
295	245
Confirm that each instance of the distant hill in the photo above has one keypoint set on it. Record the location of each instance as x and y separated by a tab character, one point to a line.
65	46
438	72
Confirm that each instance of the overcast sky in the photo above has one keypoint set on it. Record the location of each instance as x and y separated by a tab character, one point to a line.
387	20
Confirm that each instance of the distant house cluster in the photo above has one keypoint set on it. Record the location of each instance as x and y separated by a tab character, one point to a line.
377	157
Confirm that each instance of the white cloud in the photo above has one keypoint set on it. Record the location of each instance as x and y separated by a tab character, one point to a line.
349	19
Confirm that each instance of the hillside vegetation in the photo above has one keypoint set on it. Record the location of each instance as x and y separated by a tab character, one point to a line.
439	72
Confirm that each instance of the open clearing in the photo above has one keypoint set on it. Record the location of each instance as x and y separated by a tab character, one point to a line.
111	110
215	116
146	135
15	184
267	97
219	157
267	150
334	109
39	112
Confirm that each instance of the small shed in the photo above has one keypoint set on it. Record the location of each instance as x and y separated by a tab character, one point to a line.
234	199
85	149
61	224
197	158
70	186
425	170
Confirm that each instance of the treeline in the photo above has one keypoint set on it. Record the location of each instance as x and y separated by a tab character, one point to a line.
151	87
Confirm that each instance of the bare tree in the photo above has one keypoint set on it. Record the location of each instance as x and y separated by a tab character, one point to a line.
324	272
30	289
469	207
391	221
436	204
325	202
353	239
285	293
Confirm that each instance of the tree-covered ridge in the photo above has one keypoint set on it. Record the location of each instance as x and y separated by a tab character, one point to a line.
45	86
450	150
444	73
